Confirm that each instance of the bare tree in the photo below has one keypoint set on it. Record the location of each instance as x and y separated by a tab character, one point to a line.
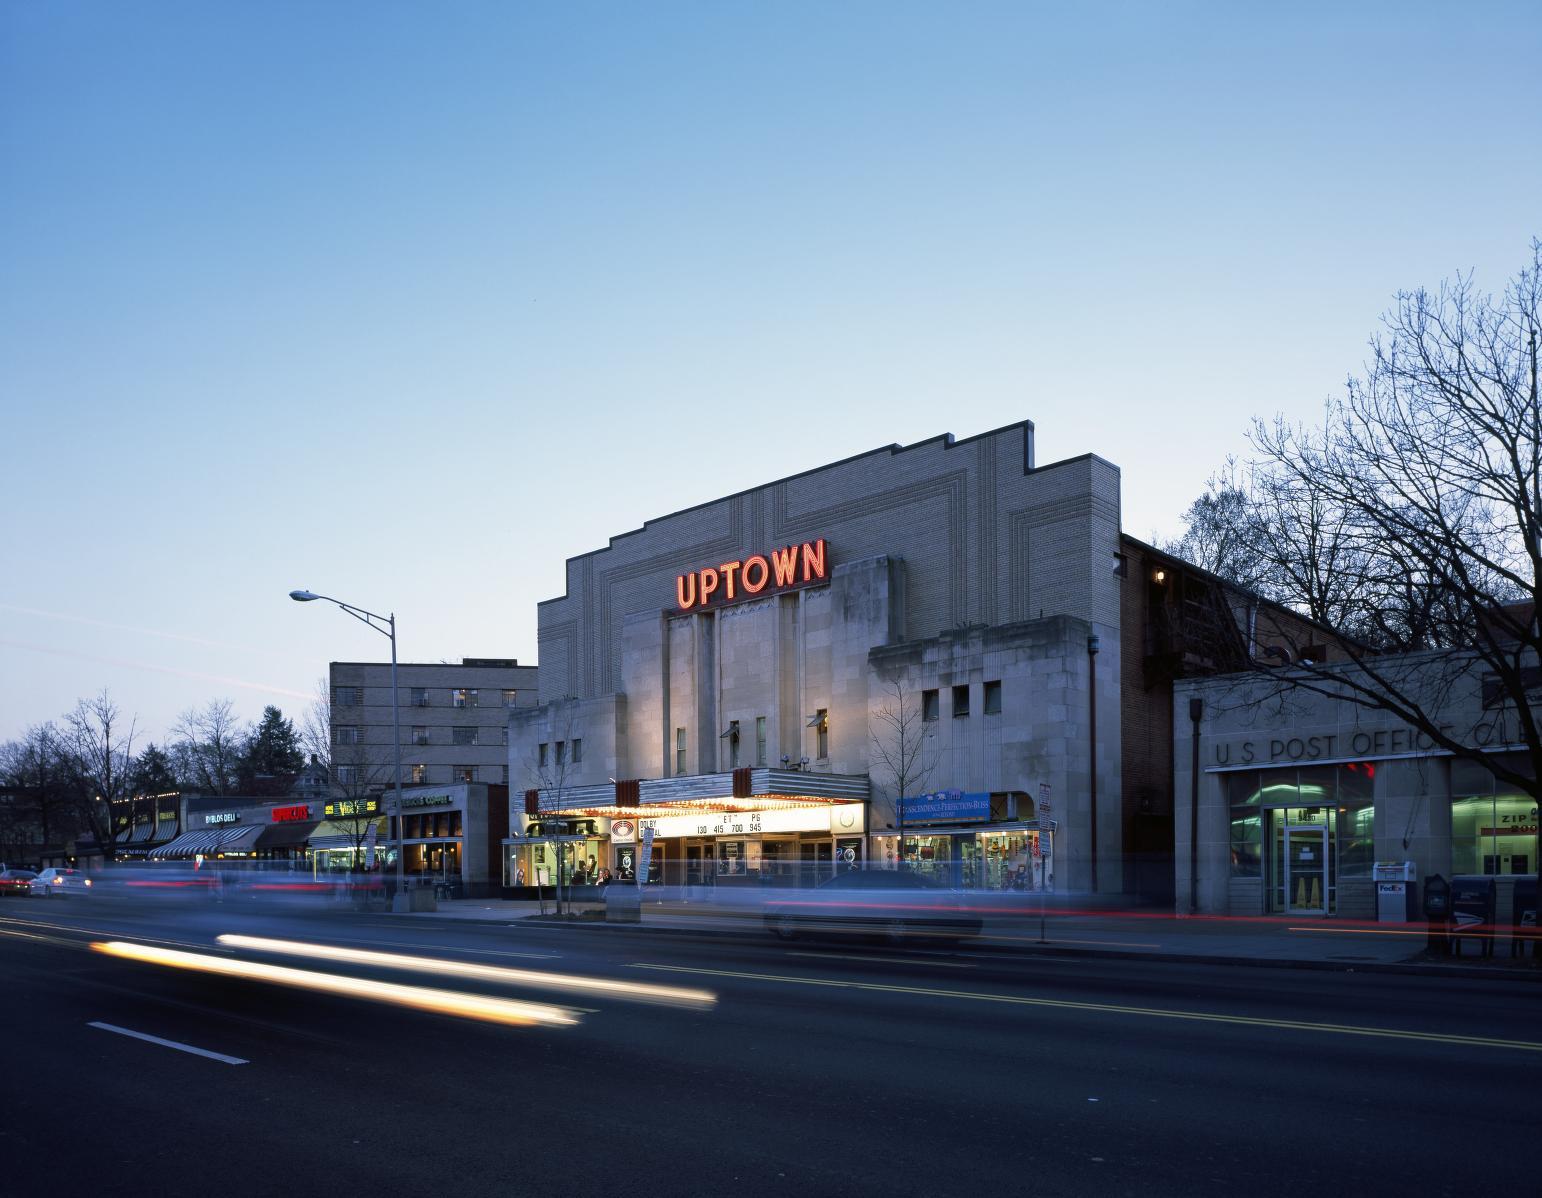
903	748
100	743
550	773
208	747
1412	520
37	772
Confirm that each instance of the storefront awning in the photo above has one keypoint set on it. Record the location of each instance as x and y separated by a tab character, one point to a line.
241	840
333	835
286	836
190	844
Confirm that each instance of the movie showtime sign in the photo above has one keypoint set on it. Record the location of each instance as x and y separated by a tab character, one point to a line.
761	574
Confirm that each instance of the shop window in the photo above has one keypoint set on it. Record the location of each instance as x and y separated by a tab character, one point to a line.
417	774
1247	839
463	736
578	750
1493	824
679	751
760	740
960	702
993	698
931	706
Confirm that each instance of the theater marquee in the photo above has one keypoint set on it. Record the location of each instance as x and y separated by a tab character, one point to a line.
783	569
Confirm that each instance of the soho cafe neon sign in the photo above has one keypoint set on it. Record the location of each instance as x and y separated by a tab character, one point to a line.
760	573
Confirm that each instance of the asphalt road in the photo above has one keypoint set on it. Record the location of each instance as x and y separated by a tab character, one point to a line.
817	1069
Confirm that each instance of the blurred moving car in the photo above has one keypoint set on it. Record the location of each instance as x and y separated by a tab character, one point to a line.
57	883
895	905
16	881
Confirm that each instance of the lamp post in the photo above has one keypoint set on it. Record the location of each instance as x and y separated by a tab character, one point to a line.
386	626
1092	754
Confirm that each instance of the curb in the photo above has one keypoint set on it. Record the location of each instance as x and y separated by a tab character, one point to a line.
1403	968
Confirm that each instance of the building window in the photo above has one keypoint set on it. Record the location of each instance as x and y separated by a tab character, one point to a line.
510	698
732	736
993	698
462	697
347	775
419	734
417	774
540	755
505	775
463	736
348	696
821	726
578	750
679	751
419	696
345	734
504	734
463	773
960	702
562	753
760	740
931	706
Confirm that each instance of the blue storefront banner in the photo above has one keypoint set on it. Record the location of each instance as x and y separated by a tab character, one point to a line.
945	807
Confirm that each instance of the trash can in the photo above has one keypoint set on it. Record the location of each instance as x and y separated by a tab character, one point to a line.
1472	913
623	903
1395	891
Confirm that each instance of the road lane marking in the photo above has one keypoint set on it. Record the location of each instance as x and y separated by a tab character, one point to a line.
419	998
1299	1025
177	1044
1065	940
885	960
1364	931
454	948
611	988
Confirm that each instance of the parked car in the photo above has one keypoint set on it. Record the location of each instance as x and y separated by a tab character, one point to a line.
16	881
895	905
57	883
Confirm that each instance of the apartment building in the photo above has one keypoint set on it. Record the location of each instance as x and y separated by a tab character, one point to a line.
454	721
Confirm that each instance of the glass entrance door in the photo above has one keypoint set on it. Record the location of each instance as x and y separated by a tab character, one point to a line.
1305	870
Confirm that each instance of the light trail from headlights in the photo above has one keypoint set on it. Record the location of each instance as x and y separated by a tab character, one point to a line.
419	998
676	996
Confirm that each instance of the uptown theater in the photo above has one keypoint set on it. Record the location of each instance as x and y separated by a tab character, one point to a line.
916	653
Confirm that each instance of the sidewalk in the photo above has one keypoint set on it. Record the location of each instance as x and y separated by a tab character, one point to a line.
1069	929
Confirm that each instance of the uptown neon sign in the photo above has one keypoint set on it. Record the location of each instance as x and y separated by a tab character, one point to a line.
778	570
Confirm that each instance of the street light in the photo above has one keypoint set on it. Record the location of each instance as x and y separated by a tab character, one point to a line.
386	626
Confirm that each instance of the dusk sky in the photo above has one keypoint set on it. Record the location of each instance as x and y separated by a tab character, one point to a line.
407	303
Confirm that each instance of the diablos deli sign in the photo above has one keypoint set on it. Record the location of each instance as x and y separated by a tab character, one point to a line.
759	574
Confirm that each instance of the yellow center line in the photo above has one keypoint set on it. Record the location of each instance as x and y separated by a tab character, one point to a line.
1361	931
1301	1025
1064	940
